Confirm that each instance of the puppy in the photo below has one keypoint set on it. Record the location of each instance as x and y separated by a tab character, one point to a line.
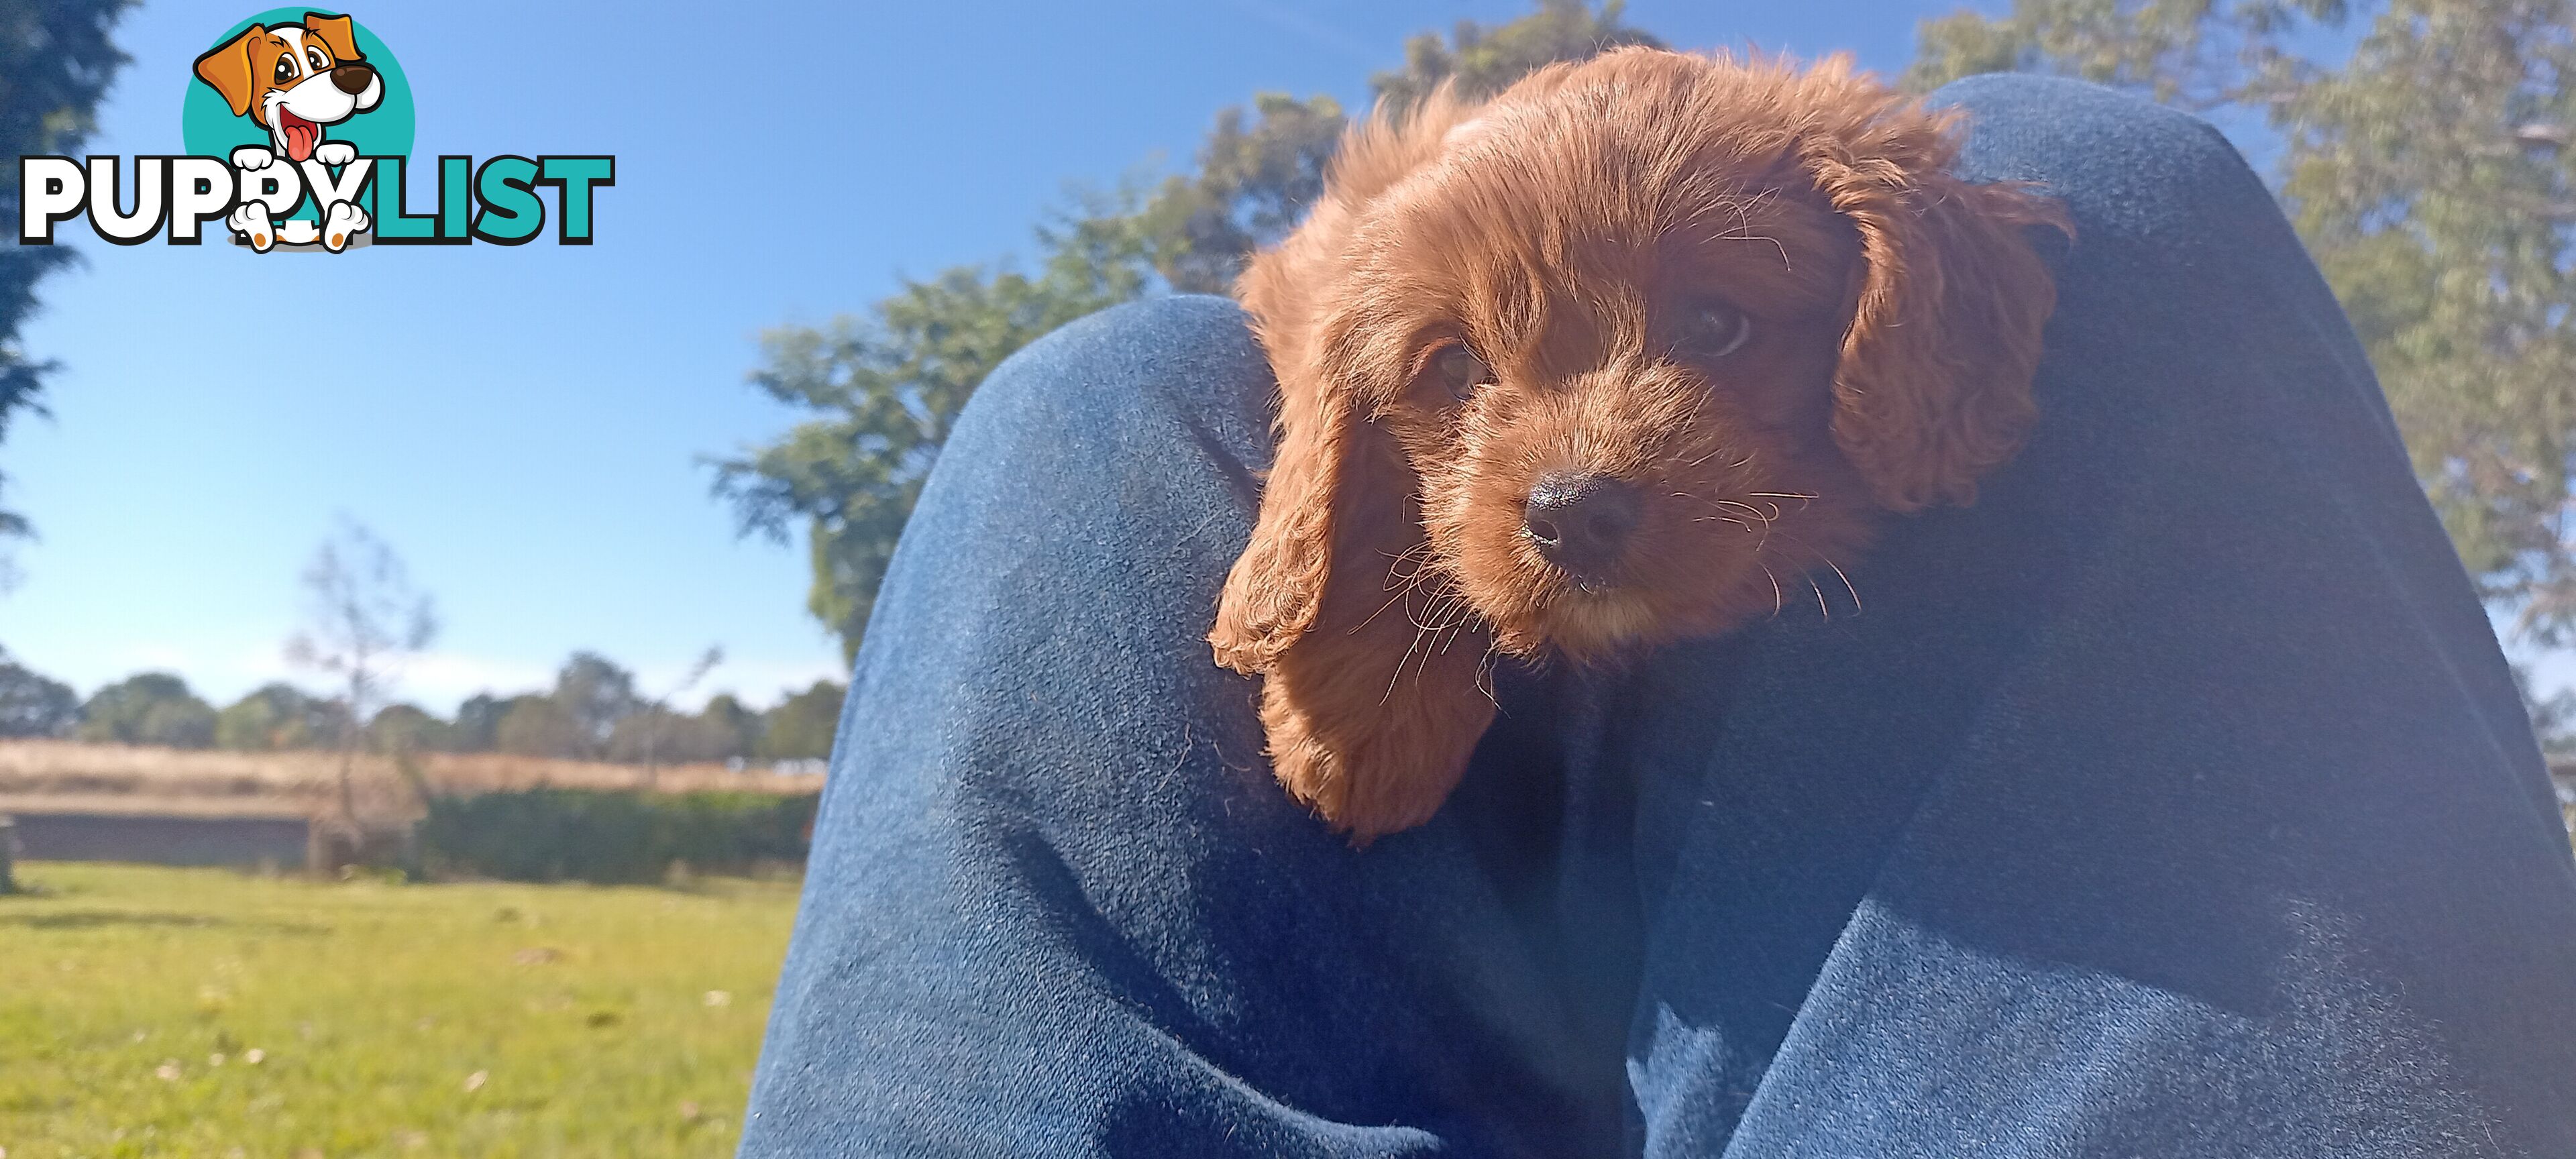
1614	359
295	80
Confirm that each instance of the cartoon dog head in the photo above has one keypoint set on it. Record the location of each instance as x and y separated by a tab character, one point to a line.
293	79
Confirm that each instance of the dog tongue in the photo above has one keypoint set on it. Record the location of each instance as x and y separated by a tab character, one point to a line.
301	135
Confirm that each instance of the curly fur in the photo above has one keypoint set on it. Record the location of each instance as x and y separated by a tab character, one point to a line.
1897	315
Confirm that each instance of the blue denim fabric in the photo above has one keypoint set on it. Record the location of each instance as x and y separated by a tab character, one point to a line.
2173	800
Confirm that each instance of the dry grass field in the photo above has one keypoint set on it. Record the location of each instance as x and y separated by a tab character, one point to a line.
61	775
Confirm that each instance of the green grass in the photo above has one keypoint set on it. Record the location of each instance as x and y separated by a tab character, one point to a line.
388	1020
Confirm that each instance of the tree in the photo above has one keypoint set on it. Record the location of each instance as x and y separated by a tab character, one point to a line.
594	694
362	618
733	728
2553	718
886	386
33	705
273	717
1484	61
400	730
150	708
655	721
477	725
801	727
1256	175
2186	52
661	736
537	726
2432	177
55	63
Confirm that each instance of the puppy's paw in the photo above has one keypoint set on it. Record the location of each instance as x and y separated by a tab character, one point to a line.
252	157
342	223
250	219
335	152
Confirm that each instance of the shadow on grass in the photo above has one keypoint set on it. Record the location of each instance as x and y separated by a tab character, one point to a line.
113	919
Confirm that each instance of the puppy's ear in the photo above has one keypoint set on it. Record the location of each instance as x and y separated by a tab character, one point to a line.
1369	667
1370	695
1337	481
228	69
334	31
1338	516
1948	301
1330	484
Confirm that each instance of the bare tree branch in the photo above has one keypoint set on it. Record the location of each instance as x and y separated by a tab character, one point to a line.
363	618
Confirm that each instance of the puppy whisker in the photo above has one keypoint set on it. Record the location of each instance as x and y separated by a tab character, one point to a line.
1430	612
1456	630
1391	601
1785	263
1713	453
1398	677
1419	555
1767	520
1847	585
1721	517
1803	497
1748	509
1749	528
1439	613
1837	570
1413	582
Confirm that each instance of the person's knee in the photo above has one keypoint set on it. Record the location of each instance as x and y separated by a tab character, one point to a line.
2115	158
1187	359
1139	425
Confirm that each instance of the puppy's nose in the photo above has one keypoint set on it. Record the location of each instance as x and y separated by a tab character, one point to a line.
352	78
1581	522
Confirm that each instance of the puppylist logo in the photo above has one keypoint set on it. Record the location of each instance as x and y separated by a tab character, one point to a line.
298	129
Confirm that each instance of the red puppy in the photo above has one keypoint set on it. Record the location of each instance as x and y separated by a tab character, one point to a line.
1610	360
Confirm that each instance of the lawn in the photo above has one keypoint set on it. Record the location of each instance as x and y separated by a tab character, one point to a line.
178	1012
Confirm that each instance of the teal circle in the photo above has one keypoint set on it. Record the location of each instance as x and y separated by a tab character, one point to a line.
210	129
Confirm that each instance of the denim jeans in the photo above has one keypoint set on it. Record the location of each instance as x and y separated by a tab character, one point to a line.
2172	800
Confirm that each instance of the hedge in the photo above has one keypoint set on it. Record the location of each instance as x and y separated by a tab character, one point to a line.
610	837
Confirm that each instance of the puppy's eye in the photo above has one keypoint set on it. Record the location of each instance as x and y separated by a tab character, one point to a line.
1714	330
1460	370
314	57
286	68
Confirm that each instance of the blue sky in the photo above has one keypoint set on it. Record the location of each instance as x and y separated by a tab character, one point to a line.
525	425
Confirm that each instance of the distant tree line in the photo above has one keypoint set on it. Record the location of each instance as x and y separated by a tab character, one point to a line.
593	712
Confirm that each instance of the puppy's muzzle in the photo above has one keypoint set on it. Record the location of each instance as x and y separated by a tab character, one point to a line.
353	78
1582	522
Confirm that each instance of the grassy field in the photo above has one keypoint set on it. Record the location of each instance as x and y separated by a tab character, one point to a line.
174	1012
